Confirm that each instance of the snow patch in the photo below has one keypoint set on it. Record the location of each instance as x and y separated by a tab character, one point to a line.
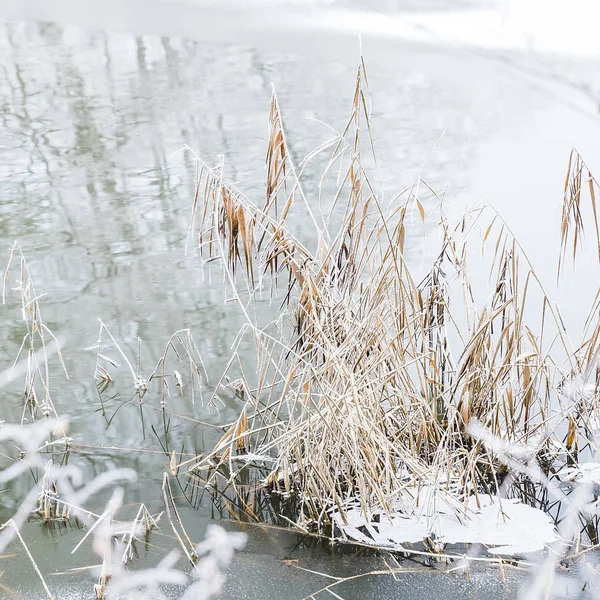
506	525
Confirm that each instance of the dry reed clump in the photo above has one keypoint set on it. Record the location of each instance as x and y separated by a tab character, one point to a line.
369	389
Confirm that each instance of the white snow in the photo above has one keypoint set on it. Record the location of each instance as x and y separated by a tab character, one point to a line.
505	525
544	26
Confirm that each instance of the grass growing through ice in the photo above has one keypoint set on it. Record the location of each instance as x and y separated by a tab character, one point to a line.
378	392
59	497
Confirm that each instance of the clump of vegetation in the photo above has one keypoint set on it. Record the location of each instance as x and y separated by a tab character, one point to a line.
377	390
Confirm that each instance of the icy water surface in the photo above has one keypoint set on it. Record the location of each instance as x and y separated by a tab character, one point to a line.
96	108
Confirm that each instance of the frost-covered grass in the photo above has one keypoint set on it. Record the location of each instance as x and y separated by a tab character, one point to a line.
392	403
55	499
61	493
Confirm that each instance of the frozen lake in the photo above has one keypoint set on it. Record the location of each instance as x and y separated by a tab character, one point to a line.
97	100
